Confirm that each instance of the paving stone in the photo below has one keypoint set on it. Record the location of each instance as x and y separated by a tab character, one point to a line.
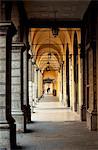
55	127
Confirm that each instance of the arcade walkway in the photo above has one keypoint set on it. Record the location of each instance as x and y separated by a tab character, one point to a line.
56	128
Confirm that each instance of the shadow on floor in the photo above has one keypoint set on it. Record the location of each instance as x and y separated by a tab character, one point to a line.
29	131
67	135
19	148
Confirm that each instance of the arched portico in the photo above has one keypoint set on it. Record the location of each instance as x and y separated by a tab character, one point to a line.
31	55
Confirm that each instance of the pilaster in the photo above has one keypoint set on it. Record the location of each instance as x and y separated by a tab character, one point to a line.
70	82
26	106
30	87
17	93
35	85
90	25
7	126
92	110
83	76
62	91
91	119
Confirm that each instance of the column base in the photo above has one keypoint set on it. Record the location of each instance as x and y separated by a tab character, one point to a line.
13	135
71	107
27	112
83	113
92	120
12	125
20	121
5	136
31	106
37	100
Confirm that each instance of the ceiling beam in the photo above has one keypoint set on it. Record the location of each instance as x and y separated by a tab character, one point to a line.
39	23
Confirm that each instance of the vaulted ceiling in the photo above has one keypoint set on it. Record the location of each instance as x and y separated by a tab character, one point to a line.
44	43
41	39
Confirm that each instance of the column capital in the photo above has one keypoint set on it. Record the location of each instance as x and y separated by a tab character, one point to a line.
70	56
62	62
7	27
37	69
18	46
28	46
29	56
33	61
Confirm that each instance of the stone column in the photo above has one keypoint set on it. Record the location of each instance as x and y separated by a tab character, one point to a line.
7	127
62	80
30	82
33	94
80	83
83	75
41	84
37	83
67	77
26	106
64	84
70	82
82	111
60	85
34	84
97	70
17	93
92	110
82	91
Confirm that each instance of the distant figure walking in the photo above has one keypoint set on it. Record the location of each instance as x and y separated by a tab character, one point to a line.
48	90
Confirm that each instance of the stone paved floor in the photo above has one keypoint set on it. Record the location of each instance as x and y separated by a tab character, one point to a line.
56	128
